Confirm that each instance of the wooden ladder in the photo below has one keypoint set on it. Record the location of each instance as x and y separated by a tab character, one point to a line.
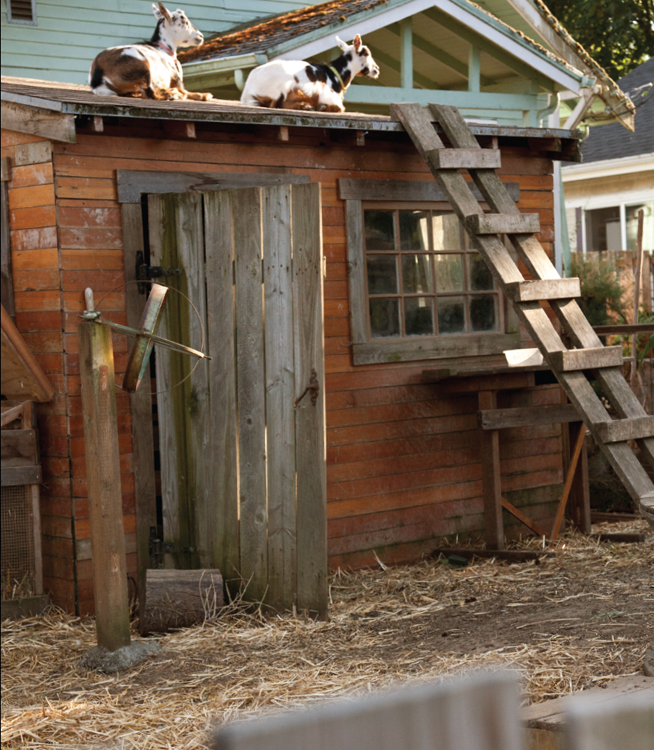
569	365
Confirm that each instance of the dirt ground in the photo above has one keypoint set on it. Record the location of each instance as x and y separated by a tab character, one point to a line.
576	620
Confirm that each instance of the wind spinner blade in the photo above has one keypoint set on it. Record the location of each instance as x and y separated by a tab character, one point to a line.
139	355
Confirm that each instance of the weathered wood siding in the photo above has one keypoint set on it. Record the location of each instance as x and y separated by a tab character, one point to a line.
68	36
403	464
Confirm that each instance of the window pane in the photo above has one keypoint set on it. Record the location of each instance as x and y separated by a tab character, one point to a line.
384	317
603	229
416	274
648	226
382	274
414	231
379	230
447	232
418	316
480	277
449	273
451	315
483	312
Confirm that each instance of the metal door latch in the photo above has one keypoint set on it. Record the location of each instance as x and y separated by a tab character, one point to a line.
157	548
144	272
313	386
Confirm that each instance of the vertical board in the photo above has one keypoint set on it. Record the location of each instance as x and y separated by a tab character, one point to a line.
5	241
491	477
309	417
280	413
222	381
250	387
141	401
176	241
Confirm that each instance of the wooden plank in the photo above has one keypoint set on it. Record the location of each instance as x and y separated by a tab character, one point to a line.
617	537
524	519
587	359
597	516
510	381
103	480
7	287
574	458
19	447
15	475
32	153
500	419
52	125
404	190
176	241
625	429
625	722
465	158
356	258
134	183
626	329
140	403
491	477
280	395
503	223
578	510
513	555
5	169
250	386
219	252
38	539
477	712
312	593
443	347
546	289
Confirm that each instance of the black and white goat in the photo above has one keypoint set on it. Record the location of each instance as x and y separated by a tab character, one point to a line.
149	70
296	84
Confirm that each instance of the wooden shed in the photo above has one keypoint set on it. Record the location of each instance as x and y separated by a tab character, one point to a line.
106	191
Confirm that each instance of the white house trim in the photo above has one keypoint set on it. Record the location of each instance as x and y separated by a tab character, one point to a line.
571	80
609	168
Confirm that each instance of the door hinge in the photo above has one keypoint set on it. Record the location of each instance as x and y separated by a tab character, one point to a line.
145	272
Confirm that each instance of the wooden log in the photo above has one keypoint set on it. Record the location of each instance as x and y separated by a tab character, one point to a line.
500	419
587	359
503	223
512	555
465	158
103	479
180	598
625	429
528	291
618	537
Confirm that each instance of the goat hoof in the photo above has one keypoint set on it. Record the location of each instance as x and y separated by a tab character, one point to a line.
207	97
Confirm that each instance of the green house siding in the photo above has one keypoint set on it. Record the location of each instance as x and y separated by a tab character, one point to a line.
69	35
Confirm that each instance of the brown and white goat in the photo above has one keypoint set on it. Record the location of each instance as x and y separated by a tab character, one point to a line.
296	84
149	70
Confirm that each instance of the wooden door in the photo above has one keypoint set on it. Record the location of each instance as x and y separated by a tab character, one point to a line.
242	438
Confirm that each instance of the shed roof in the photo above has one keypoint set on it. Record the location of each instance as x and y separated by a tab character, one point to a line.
611	141
74	99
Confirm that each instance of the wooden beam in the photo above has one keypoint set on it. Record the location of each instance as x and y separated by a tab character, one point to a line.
587	359
524	519
367	94
7	276
491	477
542	289
54	126
406	53
579	501
621	430
558	520
404	190
526	416
383	58
18	475
466	158
474	75
501	223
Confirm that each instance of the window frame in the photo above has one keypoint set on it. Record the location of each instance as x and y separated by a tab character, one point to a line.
22	21
413	195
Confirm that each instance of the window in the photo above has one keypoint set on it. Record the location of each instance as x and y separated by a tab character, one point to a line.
21	12
615	227
417	289
423	279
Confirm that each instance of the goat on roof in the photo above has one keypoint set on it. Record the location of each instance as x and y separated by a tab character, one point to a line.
296	84
149	70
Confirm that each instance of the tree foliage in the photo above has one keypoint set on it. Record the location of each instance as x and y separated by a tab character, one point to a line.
618	34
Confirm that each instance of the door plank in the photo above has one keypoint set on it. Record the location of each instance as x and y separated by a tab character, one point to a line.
250	386
222	379
309	417
280	413
177	241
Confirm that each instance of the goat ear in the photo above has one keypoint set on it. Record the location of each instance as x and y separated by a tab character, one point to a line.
165	13
341	44
157	12
357	43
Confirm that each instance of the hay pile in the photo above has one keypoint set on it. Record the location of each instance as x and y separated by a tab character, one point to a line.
385	627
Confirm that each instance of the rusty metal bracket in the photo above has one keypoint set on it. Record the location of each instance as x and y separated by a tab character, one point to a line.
313	386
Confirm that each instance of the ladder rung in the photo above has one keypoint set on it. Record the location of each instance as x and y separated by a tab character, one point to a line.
532	291
503	223
587	359
465	158
621	430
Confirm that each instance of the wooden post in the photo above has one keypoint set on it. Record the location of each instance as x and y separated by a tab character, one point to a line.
491	477
639	263
103	479
579	501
